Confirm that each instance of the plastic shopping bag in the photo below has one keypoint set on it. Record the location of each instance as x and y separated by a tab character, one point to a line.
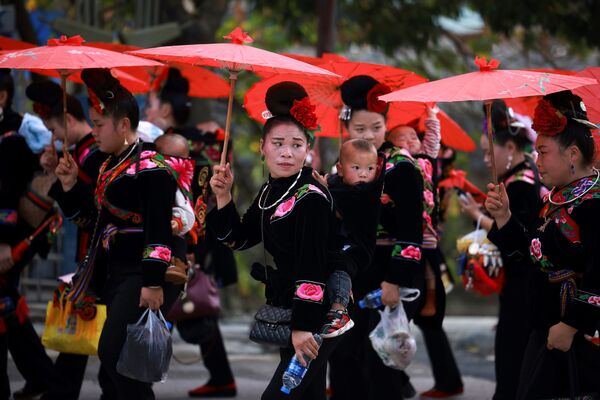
391	339
147	350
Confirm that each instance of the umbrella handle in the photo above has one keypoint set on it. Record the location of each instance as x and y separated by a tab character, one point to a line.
233	75
63	84
490	136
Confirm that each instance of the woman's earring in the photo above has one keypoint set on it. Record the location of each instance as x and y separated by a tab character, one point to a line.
509	163
126	143
572	169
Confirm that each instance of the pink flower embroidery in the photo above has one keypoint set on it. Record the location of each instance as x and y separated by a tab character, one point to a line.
428	197
316	189
427	218
144	164
162	253
184	169
147	154
570	209
285	207
594	300
213	154
310	291
389	166
385	198
426	168
536	249
411	252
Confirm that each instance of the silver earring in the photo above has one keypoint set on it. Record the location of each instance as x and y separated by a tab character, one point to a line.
509	163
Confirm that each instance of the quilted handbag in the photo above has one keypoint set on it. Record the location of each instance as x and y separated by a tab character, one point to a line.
272	326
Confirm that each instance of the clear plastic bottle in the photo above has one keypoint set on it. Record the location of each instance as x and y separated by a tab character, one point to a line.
371	300
292	377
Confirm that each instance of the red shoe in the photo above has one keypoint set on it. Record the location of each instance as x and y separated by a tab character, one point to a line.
229	390
441	394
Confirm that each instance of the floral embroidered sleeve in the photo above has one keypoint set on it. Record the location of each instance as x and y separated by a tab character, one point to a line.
156	190
433	137
403	184
584	312
312	219
235	232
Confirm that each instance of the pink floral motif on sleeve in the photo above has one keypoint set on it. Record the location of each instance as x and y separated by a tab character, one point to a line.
158	252
316	189
594	300
411	252
389	166
184	169
285	208
427	218
426	168
310	292
147	154
144	164
428	197
536	249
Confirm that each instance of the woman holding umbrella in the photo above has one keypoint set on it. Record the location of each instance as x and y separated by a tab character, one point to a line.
563	244
133	219
518	172
293	217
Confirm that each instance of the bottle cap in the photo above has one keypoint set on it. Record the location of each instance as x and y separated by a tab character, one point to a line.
362	304
285	390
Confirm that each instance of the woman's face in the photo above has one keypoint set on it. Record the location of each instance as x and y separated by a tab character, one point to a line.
553	162
285	149
56	126
503	154
154	110
367	125
104	130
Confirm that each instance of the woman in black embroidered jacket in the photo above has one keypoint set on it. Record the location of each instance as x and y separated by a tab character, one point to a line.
134	197
563	245
293	217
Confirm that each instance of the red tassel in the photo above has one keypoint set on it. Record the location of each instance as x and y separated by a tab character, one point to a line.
20	249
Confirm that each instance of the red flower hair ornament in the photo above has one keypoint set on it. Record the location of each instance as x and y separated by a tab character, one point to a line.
304	112
547	120
373	102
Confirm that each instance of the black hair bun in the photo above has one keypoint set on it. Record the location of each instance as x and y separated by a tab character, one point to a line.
355	91
176	83
280	97
102	83
45	92
568	103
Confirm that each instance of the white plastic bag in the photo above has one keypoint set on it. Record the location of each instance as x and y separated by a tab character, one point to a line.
147	351
391	339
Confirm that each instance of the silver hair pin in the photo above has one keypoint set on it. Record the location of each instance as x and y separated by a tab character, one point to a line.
346	113
267	114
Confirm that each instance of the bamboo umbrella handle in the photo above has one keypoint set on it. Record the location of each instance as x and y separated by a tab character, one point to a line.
233	75
490	136
63	84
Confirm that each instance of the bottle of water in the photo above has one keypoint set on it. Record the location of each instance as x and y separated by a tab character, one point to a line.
371	300
292	377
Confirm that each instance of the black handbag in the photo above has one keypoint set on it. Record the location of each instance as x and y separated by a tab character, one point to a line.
272	326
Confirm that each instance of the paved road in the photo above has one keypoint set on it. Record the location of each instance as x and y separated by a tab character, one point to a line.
472	339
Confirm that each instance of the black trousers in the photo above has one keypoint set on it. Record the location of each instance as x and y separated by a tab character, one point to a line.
122	299
313	383
512	333
553	373
443	365
206	332
28	354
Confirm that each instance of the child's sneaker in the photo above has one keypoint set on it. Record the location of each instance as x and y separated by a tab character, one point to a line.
177	272
338	322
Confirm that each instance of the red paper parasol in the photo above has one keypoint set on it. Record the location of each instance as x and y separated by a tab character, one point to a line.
65	56
488	84
132	83
324	92
234	57
203	83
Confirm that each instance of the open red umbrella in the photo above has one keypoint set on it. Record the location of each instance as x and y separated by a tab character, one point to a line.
132	83
325	58
487	84
324	91
203	83
234	57
68	55
453	135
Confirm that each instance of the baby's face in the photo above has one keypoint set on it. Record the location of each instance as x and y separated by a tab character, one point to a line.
357	166
405	137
